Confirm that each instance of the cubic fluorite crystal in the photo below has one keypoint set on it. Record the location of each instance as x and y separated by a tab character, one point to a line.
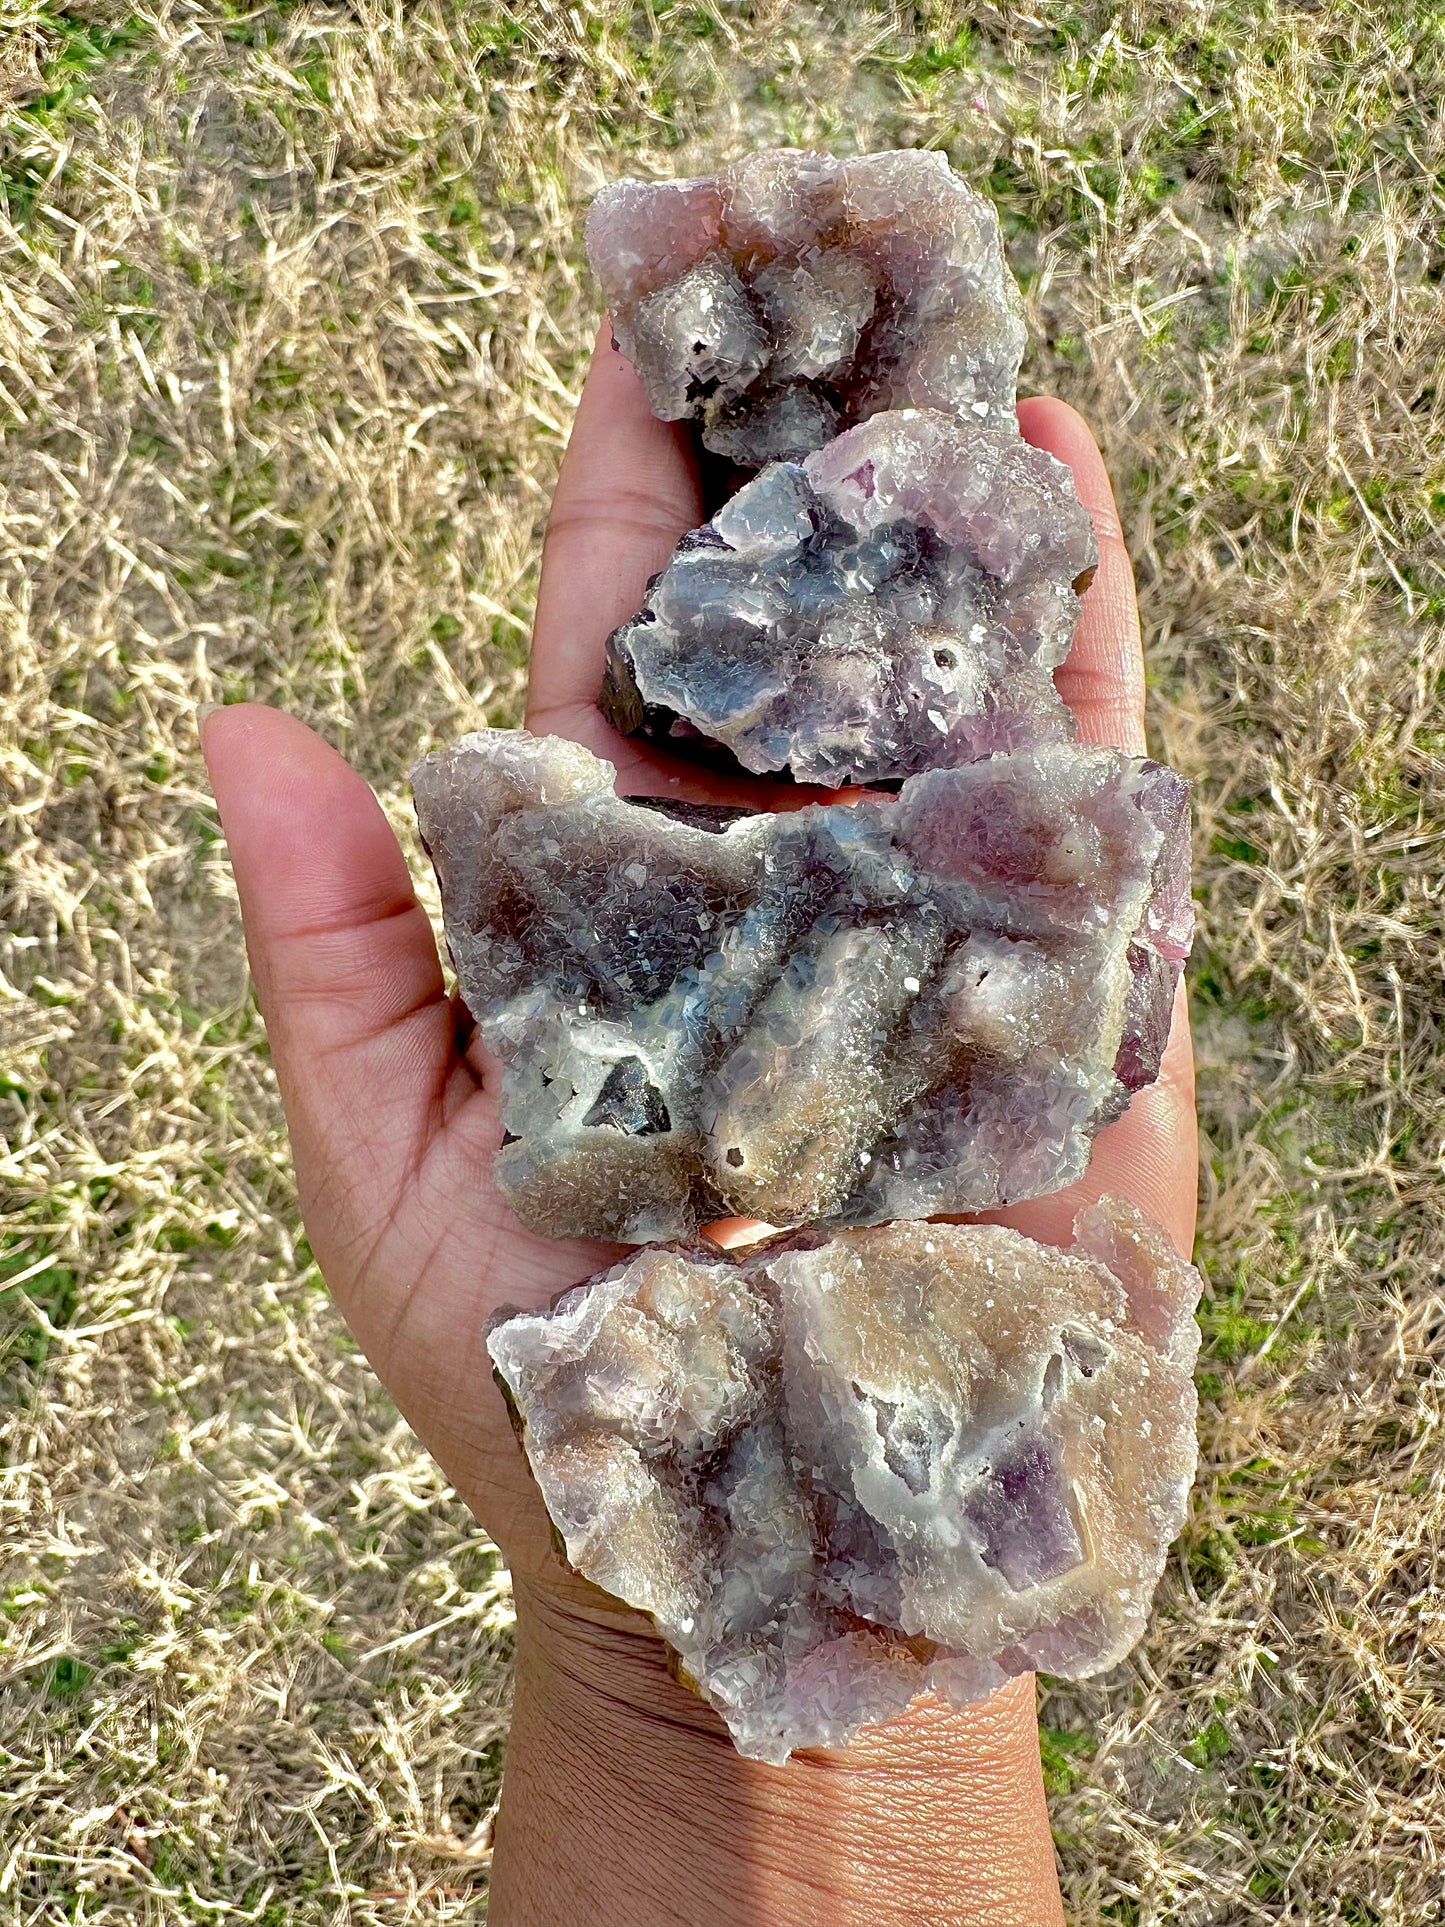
894	603
916	1457
792	295
908	1007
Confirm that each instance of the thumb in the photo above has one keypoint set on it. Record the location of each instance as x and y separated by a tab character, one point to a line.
345	965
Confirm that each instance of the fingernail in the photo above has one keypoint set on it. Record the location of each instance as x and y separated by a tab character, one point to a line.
203	710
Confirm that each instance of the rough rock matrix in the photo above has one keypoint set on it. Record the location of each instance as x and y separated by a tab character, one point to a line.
894	603
793	295
920	1456
909	1007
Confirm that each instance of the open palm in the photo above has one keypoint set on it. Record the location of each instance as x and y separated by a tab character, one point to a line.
393	1110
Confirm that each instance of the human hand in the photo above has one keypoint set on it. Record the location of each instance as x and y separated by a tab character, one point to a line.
393	1108
393	1112
392	1104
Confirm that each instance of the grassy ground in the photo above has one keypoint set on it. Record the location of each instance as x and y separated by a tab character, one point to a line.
292	316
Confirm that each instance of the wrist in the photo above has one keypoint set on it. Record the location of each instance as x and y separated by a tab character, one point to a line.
624	1799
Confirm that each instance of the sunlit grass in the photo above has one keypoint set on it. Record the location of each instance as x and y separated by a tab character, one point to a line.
292	320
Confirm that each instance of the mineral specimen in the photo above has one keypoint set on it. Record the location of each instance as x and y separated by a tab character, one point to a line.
915	1457
895	603
909	1007
792	295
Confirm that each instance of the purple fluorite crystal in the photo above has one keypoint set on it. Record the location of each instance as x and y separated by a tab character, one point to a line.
845	1015
921	1456
793	295
851	1464
895	603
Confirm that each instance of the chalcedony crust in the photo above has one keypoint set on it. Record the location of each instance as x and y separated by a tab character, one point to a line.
910	1007
793	295
894	603
838	1473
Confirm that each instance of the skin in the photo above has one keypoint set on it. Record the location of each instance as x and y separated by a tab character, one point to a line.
624	1800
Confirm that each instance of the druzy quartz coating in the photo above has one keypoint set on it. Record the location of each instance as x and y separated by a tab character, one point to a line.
838	1473
839	1015
894	603
792	295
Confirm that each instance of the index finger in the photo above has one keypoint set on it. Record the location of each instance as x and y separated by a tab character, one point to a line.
627	493
1103	679
1150	1155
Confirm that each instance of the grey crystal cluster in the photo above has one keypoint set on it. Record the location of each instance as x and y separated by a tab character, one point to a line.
840	1015
893	591
838	1474
875	1455
793	295
895	603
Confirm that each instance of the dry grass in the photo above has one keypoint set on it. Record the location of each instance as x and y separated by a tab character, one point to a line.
291	324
